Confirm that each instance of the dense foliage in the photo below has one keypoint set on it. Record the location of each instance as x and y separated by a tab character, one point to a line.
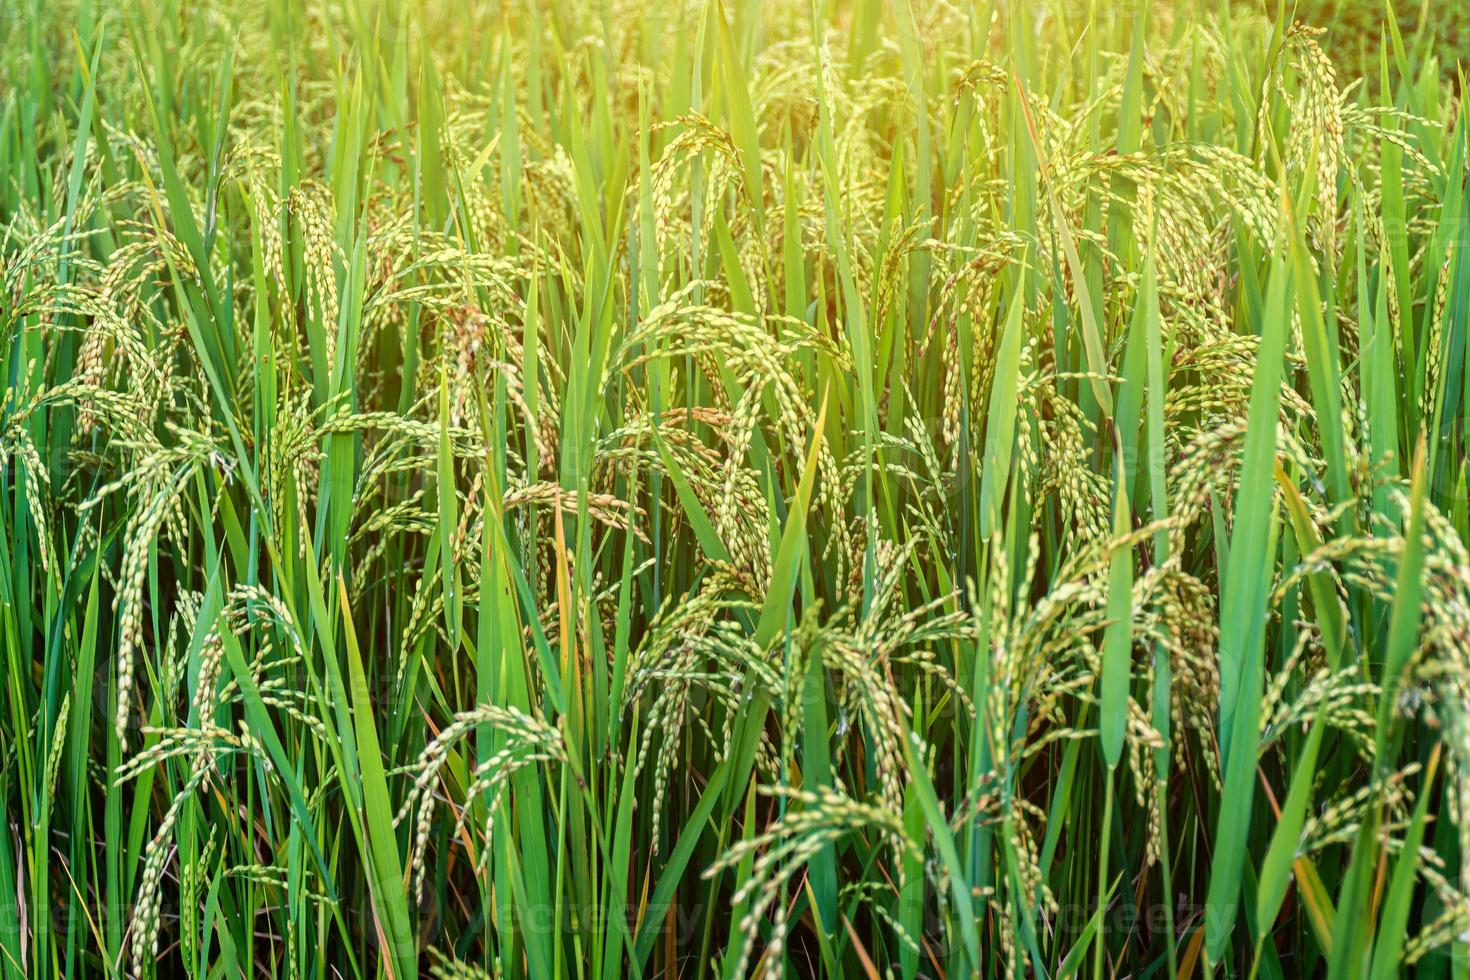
730	488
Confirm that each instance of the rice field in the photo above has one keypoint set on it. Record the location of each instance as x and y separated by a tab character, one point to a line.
721	488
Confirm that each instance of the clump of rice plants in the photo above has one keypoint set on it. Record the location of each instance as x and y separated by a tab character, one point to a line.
722	489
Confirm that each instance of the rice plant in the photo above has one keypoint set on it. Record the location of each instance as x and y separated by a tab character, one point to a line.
718	488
